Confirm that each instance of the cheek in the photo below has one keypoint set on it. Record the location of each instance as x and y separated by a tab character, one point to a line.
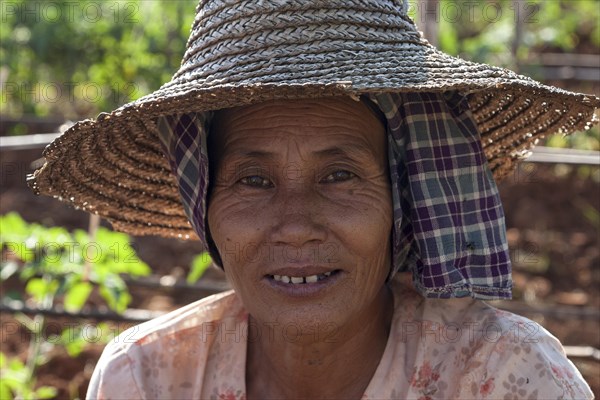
229	236
228	229
368	213
373	260
231	214
238	226
358	223
370	219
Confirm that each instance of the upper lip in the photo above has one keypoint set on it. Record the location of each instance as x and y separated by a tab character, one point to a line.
302	271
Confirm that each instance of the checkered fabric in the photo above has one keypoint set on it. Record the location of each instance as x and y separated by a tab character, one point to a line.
184	142
448	220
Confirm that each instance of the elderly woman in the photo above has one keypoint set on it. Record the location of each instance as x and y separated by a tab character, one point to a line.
321	151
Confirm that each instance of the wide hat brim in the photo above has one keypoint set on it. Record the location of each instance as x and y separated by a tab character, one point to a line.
114	166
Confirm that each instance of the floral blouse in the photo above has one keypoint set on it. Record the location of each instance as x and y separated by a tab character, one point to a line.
437	349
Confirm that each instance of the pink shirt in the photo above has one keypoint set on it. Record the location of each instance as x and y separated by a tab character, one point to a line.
437	349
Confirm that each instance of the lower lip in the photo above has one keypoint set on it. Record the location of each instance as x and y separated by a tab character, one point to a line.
304	289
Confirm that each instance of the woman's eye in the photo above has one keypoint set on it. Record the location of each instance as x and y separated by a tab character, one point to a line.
339	176
256	181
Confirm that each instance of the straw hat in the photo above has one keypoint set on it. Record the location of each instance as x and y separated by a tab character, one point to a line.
251	51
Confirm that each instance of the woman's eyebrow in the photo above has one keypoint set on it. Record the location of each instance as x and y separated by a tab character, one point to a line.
345	150
245	154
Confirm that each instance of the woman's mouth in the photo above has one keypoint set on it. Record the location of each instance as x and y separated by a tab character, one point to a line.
299	280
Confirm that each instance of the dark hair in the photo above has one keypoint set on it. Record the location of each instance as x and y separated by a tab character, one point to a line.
374	109
210	244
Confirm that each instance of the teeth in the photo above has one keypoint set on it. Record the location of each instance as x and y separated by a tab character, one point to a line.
301	279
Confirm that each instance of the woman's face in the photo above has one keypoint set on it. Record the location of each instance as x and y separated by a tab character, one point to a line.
300	210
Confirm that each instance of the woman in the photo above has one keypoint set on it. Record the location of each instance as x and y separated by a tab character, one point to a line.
305	270
322	149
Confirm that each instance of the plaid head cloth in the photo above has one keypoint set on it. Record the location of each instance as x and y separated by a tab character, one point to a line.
448	220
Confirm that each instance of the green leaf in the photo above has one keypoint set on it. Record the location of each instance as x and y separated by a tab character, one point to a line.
36	288
199	265
13	228
74	348
557	141
45	392
93	252
114	291
81	237
56	235
139	268
27	272
108	332
122	259
117	299
119	256
111	239
39	288
16	365
15	379
77	295
72	341
5	392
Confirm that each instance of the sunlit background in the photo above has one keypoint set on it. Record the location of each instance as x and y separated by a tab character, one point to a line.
69	283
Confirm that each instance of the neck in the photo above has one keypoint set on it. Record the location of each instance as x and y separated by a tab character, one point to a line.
332	364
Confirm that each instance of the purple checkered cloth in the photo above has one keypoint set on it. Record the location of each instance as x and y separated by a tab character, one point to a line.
448	220
184	141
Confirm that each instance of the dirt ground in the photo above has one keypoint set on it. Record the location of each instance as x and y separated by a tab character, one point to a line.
552	216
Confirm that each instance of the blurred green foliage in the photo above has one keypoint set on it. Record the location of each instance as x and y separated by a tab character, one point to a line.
54	262
485	31
75	59
59	266
199	265
16	381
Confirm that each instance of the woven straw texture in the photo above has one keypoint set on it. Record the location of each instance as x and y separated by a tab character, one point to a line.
243	52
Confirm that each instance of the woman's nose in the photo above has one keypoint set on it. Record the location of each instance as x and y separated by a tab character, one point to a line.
298	217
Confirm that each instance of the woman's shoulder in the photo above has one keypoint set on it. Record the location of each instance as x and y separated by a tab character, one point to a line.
168	354
202	314
465	348
524	360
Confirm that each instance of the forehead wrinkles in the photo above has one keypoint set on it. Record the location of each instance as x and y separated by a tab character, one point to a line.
284	144
277	122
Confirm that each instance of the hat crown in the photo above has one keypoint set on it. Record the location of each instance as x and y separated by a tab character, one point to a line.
268	34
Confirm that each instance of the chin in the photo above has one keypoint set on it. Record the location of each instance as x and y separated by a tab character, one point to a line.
310	323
